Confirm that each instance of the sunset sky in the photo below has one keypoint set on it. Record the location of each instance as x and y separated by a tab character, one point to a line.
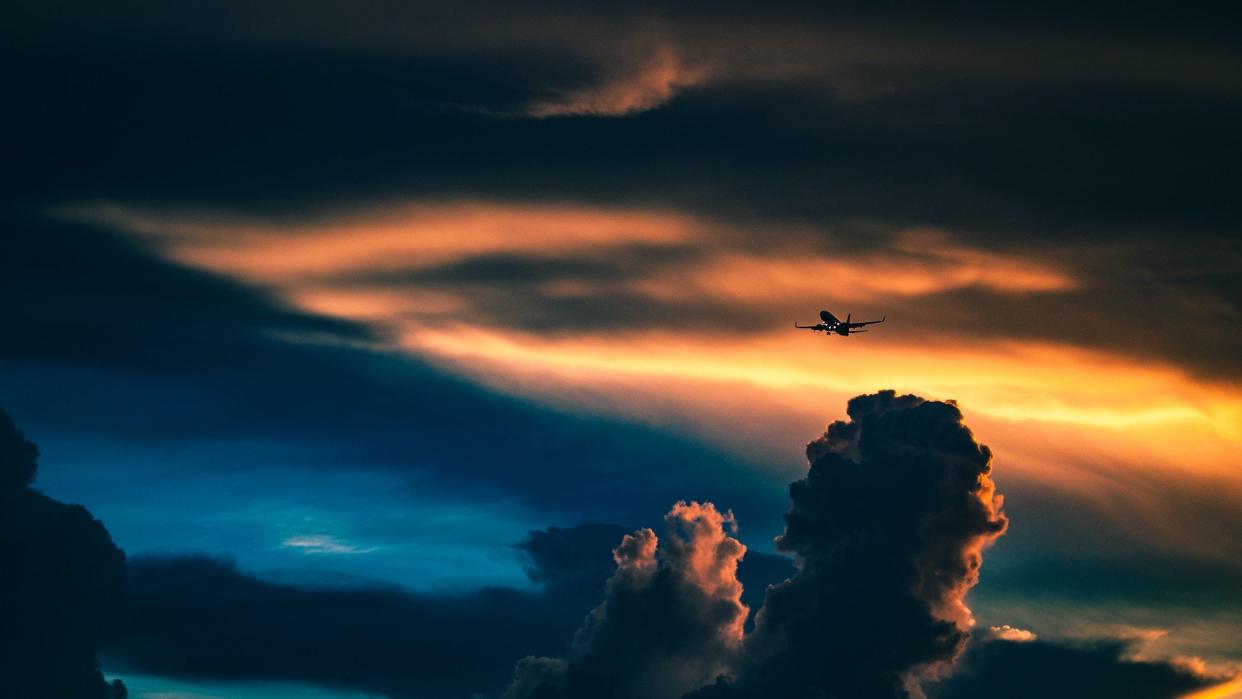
362	295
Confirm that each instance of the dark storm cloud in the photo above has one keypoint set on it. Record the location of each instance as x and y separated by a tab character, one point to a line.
888	528
199	617
266	113
572	560
1074	670
63	585
220	135
83	294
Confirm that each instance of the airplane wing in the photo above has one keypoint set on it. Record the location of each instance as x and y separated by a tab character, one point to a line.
868	322
829	318
804	327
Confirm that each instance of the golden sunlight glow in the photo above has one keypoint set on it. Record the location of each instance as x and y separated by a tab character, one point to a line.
393	238
1016	381
736	277
350	265
1225	690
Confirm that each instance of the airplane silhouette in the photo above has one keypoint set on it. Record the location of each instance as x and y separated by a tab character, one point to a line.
832	324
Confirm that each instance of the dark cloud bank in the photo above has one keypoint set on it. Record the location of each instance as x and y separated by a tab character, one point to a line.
887	530
62	585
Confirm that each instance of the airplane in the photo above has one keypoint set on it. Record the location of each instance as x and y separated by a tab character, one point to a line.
832	324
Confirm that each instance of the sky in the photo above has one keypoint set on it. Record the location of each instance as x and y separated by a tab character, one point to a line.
317	300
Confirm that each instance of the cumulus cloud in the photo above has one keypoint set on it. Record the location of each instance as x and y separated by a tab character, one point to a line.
62	587
1006	632
671	620
888	528
575	563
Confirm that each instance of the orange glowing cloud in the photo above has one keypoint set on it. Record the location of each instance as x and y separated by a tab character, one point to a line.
424	234
1015	381
653	83
1230	689
392	238
350	265
736	276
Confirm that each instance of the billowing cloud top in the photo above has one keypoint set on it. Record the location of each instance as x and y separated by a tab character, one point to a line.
888	529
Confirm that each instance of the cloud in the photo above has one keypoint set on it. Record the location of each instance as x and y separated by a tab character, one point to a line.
208	358
642	284
852	52
197	616
323	543
671	618
1006	632
63	586
888	528
572	560
651	83
577	562
1031	668
201	617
